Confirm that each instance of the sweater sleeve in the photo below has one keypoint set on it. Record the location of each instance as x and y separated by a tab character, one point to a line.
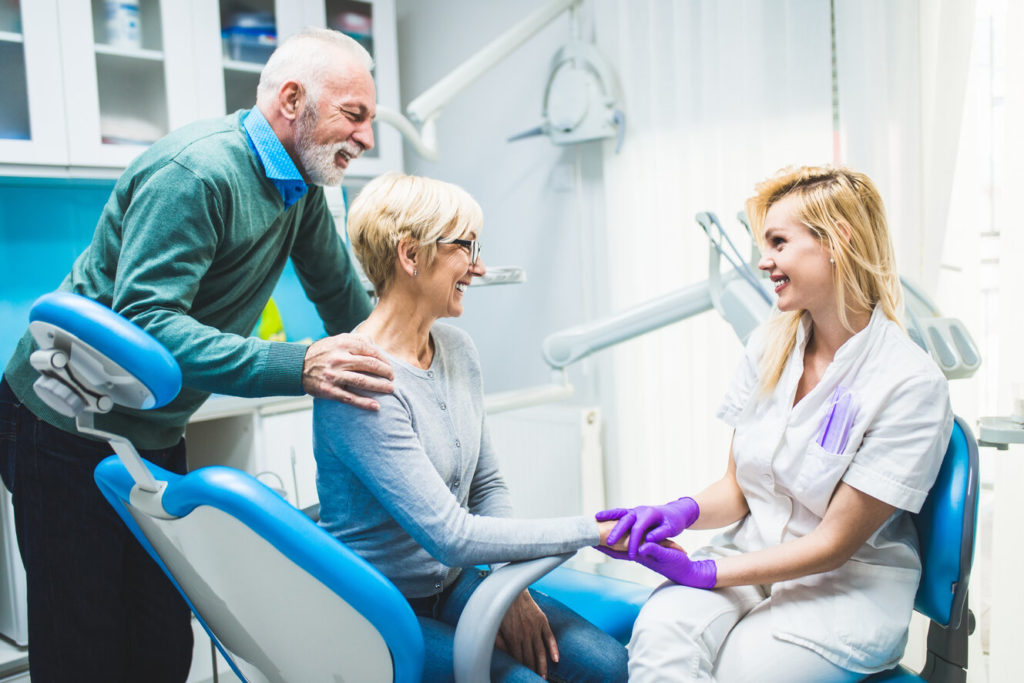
326	271
384	452
170	234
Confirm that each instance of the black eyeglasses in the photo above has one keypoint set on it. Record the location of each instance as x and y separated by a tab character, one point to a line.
472	245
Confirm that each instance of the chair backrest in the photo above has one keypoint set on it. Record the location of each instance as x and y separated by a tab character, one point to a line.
946	527
281	598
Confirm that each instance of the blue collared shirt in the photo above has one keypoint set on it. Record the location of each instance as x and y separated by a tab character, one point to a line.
277	164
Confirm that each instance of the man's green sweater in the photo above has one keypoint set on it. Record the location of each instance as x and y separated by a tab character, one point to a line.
189	247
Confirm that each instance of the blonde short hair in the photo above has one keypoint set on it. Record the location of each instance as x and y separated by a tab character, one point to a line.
396	206
844	211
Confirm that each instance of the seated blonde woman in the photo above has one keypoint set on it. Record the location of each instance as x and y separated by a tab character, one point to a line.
414	487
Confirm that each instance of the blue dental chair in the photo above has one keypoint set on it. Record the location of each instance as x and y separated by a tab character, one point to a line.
281	599
946	527
285	601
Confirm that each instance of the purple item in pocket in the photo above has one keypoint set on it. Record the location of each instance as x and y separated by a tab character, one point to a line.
835	428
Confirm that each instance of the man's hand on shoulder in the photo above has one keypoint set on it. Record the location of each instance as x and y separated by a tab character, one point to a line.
334	366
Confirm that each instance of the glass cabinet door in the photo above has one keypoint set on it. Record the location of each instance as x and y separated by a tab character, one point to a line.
248	34
31	108
14	122
372	24
127	65
251	29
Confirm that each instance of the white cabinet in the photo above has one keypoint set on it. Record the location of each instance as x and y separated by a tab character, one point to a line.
270	438
32	107
122	97
80	98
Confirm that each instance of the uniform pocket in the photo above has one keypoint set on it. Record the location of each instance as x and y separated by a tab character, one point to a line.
820	472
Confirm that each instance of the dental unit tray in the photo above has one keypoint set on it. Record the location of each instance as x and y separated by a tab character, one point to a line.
496	275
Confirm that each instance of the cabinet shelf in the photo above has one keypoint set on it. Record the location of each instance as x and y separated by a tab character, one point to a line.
129	53
9	37
245	67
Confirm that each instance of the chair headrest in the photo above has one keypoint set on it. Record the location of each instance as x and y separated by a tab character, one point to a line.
110	354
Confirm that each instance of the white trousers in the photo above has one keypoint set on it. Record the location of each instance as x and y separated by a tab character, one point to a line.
723	635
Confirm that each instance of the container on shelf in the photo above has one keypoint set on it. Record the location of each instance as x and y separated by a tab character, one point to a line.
249	36
356	23
121	18
10	16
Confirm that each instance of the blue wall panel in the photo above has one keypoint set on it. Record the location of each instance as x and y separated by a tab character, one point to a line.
44	225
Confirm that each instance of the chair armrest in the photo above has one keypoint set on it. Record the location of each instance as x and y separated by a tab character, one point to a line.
478	625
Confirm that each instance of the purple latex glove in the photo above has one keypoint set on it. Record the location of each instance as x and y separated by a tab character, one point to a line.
652	523
672	563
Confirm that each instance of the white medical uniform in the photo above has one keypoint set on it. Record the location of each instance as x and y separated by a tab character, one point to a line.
856	616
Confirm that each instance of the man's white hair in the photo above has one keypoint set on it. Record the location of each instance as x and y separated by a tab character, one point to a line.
308	57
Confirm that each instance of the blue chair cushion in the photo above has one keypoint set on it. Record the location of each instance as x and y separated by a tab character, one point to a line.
610	604
900	674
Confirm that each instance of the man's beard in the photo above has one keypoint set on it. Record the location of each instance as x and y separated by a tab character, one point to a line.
318	160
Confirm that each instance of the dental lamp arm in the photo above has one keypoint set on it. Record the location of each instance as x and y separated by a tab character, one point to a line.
424	141
428	105
567	347
426	108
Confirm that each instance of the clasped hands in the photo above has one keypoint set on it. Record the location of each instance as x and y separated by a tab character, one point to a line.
641	534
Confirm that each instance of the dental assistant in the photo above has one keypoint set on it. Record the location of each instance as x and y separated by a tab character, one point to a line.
415	488
190	246
840	426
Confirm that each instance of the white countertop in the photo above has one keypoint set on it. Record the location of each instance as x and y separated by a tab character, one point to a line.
219	406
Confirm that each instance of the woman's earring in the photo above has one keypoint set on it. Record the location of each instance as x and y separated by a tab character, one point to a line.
831	260
415	272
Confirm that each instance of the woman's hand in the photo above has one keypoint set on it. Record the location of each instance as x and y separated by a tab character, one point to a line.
526	635
606	529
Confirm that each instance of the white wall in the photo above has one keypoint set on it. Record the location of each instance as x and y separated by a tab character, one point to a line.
542	205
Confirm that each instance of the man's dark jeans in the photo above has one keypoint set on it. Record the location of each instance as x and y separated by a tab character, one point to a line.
99	607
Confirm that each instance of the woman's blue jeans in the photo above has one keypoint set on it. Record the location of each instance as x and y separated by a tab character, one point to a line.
586	652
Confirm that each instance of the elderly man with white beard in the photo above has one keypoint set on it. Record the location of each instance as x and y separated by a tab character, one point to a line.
190	246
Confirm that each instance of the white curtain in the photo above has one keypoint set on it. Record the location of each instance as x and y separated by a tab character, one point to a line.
903	67
719	94
1008	217
1008	365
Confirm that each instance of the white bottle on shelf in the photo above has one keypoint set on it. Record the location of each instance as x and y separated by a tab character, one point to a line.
122	22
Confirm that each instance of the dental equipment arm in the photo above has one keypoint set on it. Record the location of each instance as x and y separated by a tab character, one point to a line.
478	625
426	108
738	296
568	346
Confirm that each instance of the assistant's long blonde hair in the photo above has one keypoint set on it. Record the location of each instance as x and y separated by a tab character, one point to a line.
843	210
